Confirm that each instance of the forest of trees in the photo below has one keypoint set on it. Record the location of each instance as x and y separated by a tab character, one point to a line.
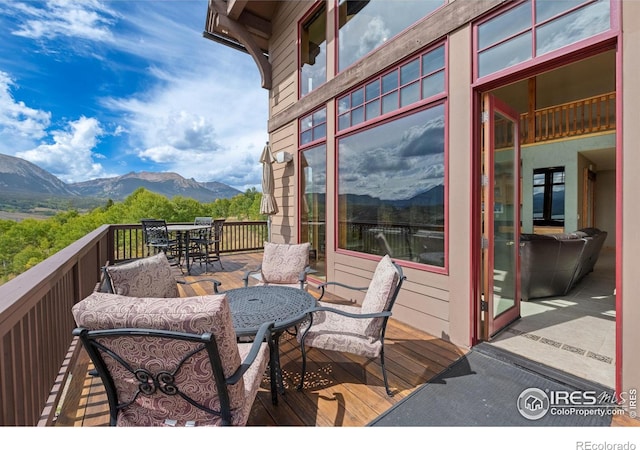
26	243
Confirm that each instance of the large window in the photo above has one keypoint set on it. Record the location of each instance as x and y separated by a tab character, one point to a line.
313	51
391	188
415	80
536	27
548	196
313	183
364	25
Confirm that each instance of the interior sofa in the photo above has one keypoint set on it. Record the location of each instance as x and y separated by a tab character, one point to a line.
552	264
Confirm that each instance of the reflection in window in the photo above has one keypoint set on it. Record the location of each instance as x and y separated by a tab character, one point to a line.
364	25
313	126
313	173
418	79
507	39
391	187
313	51
548	196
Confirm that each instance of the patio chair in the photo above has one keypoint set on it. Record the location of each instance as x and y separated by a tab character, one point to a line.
206	243
156	237
283	265
146	277
358	330
165	362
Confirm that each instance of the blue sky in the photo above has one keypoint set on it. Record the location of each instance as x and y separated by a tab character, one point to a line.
92	89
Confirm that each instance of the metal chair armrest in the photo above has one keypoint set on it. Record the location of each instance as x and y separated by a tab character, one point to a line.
215	282
335	283
349	314
263	334
247	273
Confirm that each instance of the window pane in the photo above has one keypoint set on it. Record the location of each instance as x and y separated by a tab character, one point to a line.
357	98
409	94
320	131
505	55
344	104
538	179
501	27
373	109
390	82
558	177
357	116
409	72
313	182
557	203
573	27
433	85
320	116
433	61
391	188
373	90
306	137
547	9
344	121
306	123
313	59
365	25
390	102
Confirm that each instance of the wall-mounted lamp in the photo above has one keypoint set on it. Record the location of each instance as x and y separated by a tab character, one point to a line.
284	157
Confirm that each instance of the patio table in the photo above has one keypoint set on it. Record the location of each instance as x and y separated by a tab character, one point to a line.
253	305
183	232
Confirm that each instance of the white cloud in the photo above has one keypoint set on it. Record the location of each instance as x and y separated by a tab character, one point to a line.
198	108
17	119
200	125
70	157
86	19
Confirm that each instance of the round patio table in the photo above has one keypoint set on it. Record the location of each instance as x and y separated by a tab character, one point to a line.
253	305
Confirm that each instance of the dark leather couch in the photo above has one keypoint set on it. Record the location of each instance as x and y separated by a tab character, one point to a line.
552	264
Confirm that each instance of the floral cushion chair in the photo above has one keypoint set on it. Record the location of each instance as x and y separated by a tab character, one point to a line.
171	363
355	329
146	277
282	265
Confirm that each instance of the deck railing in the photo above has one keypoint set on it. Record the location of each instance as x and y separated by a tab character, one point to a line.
36	346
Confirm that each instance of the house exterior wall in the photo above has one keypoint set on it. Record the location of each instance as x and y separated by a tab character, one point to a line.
438	302
630	182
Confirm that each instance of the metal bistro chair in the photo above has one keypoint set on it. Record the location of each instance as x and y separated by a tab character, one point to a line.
206	243
165	362
355	329
156	236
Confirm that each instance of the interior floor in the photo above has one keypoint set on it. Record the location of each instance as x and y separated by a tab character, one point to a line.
574	333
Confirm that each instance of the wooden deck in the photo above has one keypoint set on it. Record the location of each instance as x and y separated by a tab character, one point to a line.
340	390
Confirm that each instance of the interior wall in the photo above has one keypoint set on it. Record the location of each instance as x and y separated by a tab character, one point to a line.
562	153
606	205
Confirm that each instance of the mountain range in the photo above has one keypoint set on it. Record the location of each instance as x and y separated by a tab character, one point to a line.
23	179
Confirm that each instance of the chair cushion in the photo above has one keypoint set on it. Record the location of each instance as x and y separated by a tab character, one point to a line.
331	331
383	284
146	277
283	263
384	281
201	314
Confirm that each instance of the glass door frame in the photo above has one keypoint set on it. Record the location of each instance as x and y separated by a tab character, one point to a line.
490	324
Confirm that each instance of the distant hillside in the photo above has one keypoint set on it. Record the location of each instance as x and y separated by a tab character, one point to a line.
24	186
18	176
168	184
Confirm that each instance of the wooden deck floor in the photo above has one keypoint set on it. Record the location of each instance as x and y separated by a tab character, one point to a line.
340	390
